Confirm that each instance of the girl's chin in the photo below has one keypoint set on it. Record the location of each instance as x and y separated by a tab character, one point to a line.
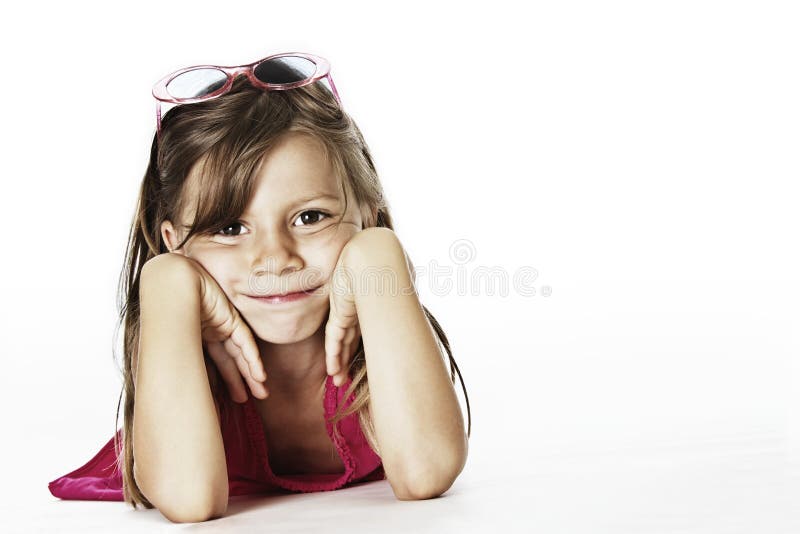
283	334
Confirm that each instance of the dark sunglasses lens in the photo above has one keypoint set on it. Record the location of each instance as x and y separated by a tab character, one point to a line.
286	69
196	83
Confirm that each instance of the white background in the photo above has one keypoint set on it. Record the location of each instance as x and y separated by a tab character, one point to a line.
641	156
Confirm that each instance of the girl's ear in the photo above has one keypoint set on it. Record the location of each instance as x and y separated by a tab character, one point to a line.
170	237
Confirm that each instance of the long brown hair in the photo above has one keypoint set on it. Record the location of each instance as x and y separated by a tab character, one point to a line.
228	136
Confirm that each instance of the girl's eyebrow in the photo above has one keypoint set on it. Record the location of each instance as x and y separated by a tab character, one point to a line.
314	196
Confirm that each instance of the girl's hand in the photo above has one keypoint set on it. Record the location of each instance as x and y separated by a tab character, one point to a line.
229	340
227	337
341	331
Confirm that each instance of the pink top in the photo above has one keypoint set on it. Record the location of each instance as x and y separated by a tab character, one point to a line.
246	456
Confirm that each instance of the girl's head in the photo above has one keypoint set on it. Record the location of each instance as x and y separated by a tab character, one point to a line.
263	188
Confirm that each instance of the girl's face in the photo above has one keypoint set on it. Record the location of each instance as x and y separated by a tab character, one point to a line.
286	240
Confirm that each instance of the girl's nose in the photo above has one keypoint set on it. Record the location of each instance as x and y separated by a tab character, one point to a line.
274	255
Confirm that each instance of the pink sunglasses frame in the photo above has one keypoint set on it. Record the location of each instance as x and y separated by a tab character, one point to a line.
323	70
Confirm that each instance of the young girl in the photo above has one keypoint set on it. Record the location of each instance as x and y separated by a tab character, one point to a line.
262	256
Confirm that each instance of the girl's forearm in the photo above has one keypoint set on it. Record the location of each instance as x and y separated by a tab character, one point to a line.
418	421
178	449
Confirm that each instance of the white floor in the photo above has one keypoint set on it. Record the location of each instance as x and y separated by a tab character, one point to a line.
719	482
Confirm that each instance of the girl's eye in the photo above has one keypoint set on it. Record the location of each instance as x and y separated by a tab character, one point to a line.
235	229
313	219
225	230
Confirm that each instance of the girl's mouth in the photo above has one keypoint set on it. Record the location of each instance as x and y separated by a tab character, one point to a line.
288	297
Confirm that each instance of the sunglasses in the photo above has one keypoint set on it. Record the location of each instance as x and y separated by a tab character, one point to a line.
277	72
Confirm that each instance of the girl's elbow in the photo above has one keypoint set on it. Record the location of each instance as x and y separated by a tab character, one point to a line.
424	487
193	515
182	507
429	482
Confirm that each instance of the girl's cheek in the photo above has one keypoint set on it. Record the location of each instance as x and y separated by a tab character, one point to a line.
219	266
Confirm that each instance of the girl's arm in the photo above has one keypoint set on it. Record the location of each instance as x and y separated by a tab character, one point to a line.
415	411
179	454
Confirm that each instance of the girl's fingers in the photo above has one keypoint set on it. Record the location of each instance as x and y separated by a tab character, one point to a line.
228	371
340	354
333	339
243	338
258	389
350	336
340	333
343	358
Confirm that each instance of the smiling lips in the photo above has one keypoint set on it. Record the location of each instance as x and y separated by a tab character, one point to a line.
285	297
